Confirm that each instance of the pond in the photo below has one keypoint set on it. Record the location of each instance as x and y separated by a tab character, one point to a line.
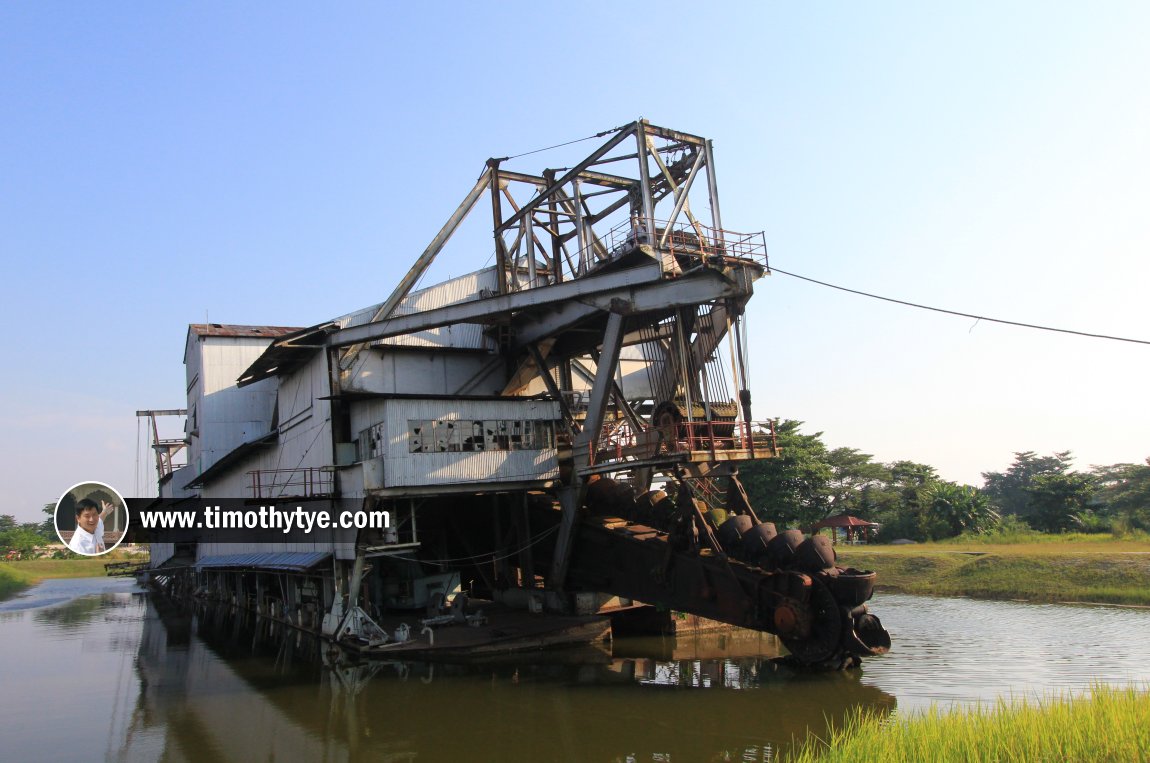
96	669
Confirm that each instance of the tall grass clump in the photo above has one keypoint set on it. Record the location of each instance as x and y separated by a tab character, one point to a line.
1109	724
13	580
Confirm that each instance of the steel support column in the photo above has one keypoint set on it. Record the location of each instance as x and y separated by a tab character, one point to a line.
584	444
601	390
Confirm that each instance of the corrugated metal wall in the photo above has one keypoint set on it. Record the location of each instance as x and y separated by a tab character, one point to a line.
304	432
419	469
462	336
402	468
160	553
421	373
225	415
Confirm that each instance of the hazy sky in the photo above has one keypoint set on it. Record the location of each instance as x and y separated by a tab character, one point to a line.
279	163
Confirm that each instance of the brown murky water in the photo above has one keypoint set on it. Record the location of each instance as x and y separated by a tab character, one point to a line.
93	670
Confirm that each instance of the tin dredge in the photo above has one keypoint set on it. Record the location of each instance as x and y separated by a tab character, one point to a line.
557	435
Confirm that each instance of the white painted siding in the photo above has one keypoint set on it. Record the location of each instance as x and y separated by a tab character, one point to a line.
419	469
174	487
304	439
160	553
222	416
402	468
420	373
461	336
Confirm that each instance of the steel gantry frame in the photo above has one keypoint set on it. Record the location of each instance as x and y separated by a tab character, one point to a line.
590	259
164	450
603	272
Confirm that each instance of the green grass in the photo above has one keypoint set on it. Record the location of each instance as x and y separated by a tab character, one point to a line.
1132	538
1108	725
1085	568
16	576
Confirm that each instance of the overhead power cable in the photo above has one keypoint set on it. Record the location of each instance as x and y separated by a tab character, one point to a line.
956	312
561	145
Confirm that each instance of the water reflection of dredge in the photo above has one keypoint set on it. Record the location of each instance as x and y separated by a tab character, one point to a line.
230	685
559	432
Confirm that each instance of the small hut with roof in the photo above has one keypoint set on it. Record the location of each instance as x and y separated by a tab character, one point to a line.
855	528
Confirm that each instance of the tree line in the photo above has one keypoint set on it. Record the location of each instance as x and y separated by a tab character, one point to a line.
809	481
21	539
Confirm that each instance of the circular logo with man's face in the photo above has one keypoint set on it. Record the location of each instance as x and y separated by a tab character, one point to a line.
91	518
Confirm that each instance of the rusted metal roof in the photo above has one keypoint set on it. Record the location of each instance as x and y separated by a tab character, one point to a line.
297	561
232	330
287	353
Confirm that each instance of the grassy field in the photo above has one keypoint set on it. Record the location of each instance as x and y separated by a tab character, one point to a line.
16	576
1108	725
1081	568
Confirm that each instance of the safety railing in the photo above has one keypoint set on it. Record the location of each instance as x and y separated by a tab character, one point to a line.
304	482
618	441
687	242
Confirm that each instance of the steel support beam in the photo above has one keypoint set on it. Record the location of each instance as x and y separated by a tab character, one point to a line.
571	174
601	390
645	180
484	310
552	387
424	261
496	215
713	188
699	287
569	499
633	418
584	442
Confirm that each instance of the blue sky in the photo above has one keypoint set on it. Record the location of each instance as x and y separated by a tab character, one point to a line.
282	164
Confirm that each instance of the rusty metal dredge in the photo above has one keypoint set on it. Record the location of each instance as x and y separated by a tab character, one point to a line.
617	306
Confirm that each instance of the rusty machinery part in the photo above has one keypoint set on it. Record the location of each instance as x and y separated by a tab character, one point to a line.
737	501
867	636
788	584
670	417
850	587
755	542
667	417
813	628
731	533
830	626
691	251
672	412
815	553
608	497
654	508
781	548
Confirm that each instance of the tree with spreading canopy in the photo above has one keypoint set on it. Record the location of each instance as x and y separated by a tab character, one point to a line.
1008	491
